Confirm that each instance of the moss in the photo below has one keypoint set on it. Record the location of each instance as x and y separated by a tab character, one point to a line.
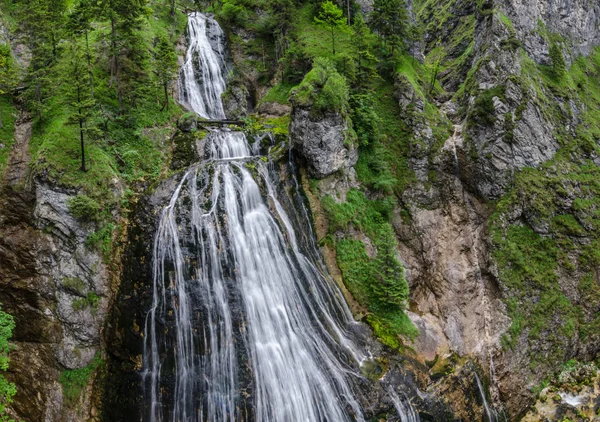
74	381
280	93
84	208
506	22
75	285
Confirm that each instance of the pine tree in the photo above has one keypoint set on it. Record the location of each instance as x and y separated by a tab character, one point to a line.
282	14
80	101
558	62
80	22
391	288
127	54
365	59
332	16
42	23
166	66
390	20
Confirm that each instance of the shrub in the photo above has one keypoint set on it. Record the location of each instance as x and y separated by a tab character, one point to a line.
323	89
84	208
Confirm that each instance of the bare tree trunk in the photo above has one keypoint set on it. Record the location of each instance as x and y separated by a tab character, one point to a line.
333	39
348	5
83	168
89	62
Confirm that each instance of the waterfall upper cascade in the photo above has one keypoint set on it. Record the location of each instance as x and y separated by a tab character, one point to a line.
201	78
244	324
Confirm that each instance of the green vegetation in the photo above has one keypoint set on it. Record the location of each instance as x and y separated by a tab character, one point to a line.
84	208
7	389
91	300
323	89
534	262
75	285
107	122
8	114
331	16
376	282
74	381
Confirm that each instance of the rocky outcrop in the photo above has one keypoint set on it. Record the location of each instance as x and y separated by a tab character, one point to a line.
322	141
575	20
236	102
507	118
57	290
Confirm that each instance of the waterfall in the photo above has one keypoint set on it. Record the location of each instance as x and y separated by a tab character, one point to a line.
201	80
490	413
244	323
405	409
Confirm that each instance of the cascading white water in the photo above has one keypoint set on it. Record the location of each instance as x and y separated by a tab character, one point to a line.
405	409
490	413
243	324
201	80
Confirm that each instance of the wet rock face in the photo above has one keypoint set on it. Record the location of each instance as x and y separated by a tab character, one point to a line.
122	395
236	102
322	142
46	276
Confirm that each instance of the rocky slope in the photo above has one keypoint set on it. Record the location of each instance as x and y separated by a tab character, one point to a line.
56	288
511	110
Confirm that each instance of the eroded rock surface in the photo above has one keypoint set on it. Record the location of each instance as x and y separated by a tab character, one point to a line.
322	141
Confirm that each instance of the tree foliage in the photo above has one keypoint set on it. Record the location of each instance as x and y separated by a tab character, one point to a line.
165	65
323	89
390	20
331	16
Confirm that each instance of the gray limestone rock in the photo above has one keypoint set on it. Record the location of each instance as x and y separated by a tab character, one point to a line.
322	141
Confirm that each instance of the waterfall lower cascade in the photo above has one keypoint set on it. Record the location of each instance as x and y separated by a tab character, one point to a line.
244	324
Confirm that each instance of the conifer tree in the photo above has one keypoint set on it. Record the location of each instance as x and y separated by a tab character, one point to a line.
126	52
7	389
332	16
389	19
80	101
392	288
42	23
362	50
558	62
80	22
166	66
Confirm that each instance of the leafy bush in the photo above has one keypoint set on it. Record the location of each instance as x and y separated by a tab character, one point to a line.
84	208
484	111
323	89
